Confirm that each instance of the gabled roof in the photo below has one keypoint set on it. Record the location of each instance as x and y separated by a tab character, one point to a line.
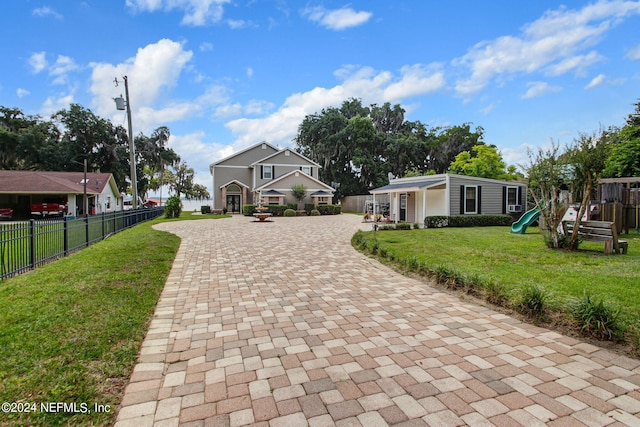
266	159
242	152
234	181
48	182
273	183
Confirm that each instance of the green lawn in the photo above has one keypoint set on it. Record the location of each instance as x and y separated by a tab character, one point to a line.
513	260
70	331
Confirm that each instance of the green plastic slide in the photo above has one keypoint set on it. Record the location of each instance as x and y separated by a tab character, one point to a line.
528	218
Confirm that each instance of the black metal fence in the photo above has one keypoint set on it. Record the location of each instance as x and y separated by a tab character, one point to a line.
25	245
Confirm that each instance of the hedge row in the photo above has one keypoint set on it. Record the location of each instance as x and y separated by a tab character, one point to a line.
467	221
278	210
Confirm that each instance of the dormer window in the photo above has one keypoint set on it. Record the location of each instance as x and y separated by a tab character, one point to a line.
306	169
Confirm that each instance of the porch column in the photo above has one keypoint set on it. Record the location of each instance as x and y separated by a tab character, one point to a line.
223	192
424	206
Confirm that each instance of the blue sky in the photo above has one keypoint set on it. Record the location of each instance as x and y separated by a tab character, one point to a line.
227	74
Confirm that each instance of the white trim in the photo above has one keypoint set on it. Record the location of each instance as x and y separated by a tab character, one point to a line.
464	201
286	175
292	152
234	181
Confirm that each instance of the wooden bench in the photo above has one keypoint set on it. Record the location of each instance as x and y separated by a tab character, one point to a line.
598	231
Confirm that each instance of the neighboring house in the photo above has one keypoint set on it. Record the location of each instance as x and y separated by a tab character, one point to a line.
21	189
413	199
265	171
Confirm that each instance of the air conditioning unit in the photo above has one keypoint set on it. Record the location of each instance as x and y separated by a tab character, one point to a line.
515	208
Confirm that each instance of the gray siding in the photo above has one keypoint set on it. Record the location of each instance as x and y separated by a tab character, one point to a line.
250	156
223	175
492	200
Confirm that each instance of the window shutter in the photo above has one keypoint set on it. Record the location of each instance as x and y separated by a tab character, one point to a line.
504	199
273	172
261	172
462	197
479	200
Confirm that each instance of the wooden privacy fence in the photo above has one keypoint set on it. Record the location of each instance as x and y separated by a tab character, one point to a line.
357	203
25	245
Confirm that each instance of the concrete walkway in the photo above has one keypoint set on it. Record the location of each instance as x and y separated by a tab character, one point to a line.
284	324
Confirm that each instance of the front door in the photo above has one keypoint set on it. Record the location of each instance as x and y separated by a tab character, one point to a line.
403	207
233	203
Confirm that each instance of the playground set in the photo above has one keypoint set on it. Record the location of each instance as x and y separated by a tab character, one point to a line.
617	201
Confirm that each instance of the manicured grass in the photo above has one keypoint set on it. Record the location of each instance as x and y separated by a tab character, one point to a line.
513	260
70	331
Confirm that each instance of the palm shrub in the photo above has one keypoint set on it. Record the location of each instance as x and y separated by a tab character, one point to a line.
173	207
596	318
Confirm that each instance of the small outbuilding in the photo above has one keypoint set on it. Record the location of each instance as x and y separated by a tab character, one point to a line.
412	199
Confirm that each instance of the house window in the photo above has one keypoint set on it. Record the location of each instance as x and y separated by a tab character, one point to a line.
306	169
470	199
267	172
512	196
108	205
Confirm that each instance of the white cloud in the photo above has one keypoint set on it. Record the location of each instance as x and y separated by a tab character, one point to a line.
22	92
364	83
338	19
206	47
553	42
61	68
52	105
196	12
151	73
634	53
537	89
249	72
38	62
230	110
595	82
46	11
579	63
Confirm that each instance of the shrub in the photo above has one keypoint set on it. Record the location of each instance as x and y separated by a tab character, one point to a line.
205	209
248	210
308	207
436	221
173	207
597	318
314	212
532	300
277	210
329	209
467	221
290	212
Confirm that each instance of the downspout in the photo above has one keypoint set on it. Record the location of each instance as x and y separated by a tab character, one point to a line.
213	178
447	195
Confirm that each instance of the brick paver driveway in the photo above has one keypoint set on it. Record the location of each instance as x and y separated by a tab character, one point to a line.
285	324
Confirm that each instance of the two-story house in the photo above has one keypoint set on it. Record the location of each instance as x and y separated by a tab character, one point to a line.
264	171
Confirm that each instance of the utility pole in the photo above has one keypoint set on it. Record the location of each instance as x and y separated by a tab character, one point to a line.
120	105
